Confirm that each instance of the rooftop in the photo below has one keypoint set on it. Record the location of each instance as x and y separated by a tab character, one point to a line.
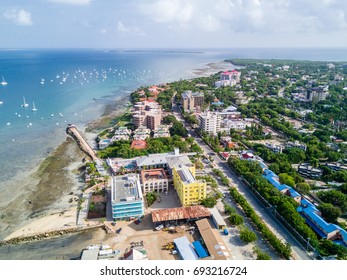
153	174
180	213
213	241
126	188
138	144
185	248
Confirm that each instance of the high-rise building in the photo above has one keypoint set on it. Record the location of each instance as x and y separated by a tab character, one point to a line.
190	191
192	100
126	197
210	122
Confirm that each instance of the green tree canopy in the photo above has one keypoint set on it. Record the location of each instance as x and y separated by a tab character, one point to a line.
329	212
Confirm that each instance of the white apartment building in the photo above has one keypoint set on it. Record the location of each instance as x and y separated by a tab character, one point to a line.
210	122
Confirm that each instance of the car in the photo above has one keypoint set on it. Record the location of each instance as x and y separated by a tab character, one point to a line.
118	230
160	227
174	252
113	223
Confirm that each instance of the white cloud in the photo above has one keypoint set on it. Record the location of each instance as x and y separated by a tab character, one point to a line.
19	17
248	16
121	28
72	2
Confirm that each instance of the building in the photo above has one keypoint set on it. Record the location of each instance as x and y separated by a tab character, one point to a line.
309	171
153	119
185	249
217	218
213	241
135	255
225	83
274	180
138	144
141	133
104	143
189	190
320	226
147	114
126	197
154	180
318	93
192	100
191	213
231	75
161	131
210	122
296	144
274	148
122	133
336	166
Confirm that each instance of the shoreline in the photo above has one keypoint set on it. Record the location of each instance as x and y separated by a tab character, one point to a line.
53	212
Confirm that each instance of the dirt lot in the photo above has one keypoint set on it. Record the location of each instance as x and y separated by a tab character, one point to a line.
145	231
152	240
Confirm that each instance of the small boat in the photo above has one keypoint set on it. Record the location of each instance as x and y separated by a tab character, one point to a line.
34	108
3	83
1	102
24	105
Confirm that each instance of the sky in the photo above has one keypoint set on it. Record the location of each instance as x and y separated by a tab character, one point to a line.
173	23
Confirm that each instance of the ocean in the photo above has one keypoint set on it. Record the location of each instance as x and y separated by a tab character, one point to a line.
73	86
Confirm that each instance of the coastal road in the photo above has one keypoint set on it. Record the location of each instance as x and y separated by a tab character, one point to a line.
275	226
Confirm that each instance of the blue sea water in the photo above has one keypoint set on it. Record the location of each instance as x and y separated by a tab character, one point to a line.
73	86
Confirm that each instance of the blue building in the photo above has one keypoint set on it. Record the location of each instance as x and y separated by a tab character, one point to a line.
126	197
309	211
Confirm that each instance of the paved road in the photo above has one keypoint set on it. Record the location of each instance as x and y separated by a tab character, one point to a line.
275	226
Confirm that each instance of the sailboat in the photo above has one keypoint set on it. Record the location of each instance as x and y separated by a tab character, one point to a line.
3	83
24	103
34	108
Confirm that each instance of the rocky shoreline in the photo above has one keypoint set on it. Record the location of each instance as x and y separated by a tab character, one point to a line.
48	234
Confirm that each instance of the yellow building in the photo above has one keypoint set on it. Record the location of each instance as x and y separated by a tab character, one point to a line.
189	190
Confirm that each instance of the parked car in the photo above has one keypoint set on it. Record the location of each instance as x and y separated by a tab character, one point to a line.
160	227
225	231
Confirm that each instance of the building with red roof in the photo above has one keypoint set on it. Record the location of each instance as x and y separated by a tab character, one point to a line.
138	144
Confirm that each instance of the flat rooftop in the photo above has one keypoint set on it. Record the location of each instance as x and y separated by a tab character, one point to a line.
126	188
153	174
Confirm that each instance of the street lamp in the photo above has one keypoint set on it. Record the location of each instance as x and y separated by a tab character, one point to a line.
308	243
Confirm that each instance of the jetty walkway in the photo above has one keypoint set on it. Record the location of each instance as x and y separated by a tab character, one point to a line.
82	143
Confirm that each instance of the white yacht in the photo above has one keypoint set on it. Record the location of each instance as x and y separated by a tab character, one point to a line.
34	108
24	105
3	83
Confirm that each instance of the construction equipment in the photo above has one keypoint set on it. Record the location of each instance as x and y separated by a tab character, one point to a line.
169	246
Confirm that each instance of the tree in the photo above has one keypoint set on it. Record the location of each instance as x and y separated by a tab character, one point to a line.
303	188
286	179
151	197
235	219
247	235
169	119
334	197
209	202
295	155
178	129
260	255
329	212
228	209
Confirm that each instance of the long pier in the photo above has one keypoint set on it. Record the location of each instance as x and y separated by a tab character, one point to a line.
82	143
